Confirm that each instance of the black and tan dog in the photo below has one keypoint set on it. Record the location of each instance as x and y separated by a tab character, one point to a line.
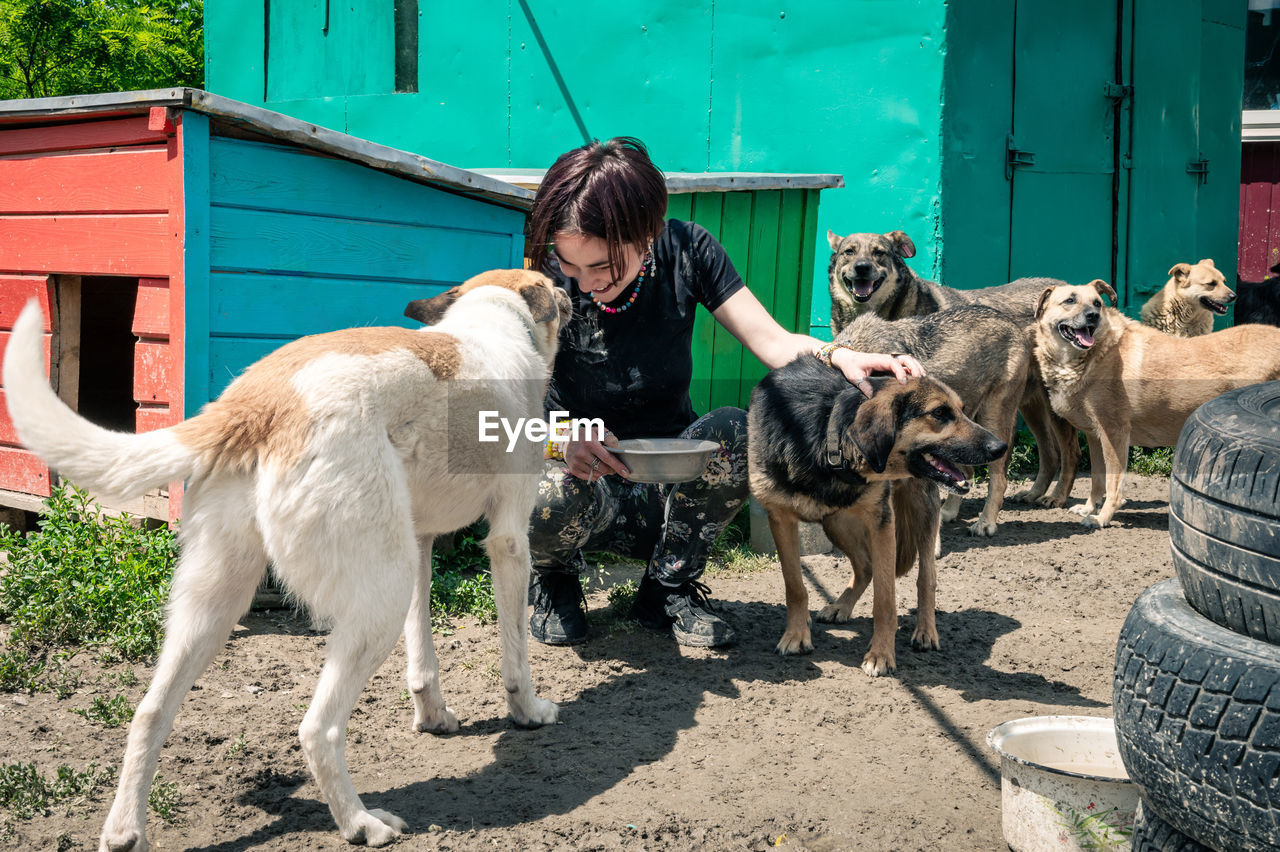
820	451
868	274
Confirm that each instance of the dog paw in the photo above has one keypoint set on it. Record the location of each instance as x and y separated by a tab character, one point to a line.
374	828
926	640
950	513
983	528
533	713
122	841
444	722
878	663
795	642
1092	522
1029	495
1083	509
833	614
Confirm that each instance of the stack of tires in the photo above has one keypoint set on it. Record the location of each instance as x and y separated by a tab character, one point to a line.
1196	694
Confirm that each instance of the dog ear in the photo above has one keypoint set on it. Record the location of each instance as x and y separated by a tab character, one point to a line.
1105	289
1043	301
902	244
541	302
837	422
1206	261
875	427
1180	270
431	311
833	239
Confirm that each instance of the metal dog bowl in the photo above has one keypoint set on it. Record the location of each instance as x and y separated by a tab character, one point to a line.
1063	785
665	460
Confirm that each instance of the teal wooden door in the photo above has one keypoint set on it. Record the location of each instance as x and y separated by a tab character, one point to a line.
1062	152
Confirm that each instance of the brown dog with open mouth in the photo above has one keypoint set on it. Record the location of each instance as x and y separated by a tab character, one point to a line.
820	451
1189	300
1125	384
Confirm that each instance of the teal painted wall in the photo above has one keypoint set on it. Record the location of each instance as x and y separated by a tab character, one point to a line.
291	243
825	86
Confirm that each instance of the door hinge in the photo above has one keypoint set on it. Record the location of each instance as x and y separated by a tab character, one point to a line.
1014	157
1117	91
1199	168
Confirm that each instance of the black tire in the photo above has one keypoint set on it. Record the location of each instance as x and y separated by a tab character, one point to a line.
1152	834
1197	714
1224	510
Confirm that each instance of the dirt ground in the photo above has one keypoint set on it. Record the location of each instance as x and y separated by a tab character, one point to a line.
658	747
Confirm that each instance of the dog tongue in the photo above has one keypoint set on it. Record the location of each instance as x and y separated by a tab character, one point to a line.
863	289
1084	336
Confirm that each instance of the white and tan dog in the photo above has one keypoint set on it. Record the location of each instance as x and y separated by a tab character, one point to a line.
1124	384
331	458
1187	303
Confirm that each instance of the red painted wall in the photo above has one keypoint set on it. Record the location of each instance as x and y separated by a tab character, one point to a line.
1259	210
98	196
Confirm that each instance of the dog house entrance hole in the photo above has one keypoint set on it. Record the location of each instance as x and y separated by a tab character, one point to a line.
95	348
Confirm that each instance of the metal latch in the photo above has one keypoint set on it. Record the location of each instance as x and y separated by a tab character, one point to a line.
1014	157
1199	168
1117	91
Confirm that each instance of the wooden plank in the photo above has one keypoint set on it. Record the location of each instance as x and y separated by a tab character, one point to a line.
8	434
809	245
762	279
153	372
786	294
1255	210
273	177
152	417
89	245
680	207
64	371
127	181
248	305
4	344
258	241
21	470
708	208
229	356
78	135
151	313
726	352
16	291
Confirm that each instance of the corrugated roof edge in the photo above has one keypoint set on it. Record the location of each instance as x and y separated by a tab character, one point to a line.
279	126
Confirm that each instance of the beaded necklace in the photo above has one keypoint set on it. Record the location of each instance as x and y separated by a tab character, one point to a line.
644	269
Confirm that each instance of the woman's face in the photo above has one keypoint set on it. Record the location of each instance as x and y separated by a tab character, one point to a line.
587	259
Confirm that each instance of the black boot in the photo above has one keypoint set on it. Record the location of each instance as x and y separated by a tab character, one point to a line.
559	609
684	610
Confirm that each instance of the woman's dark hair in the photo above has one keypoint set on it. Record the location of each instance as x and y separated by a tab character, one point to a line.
609	190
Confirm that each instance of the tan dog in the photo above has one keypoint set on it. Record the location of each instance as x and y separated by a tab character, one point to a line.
337	458
866	469
1125	384
1187	303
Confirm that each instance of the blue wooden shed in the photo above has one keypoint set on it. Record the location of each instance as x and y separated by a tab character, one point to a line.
174	237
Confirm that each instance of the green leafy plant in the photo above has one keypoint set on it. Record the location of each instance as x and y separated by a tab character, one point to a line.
109	712
460	583
25	791
164	799
1093	829
83	579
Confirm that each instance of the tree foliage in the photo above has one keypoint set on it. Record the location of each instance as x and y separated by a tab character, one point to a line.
70	47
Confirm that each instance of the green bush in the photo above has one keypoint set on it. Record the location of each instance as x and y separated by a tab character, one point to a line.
83	579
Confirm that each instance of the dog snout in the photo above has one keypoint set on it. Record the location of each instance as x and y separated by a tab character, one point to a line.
994	447
1091	316
863	268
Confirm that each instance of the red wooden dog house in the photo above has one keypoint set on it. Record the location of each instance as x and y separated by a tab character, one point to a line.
174	237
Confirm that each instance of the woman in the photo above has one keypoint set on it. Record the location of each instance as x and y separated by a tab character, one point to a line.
598	228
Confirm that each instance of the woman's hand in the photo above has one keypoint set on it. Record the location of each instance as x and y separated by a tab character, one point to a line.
856	366
588	459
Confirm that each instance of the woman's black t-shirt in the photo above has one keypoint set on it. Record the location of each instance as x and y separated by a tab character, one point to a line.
632	369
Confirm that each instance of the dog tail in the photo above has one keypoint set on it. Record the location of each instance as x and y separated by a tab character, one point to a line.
113	464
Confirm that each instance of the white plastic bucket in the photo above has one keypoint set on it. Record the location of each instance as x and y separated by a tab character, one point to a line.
1062	784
